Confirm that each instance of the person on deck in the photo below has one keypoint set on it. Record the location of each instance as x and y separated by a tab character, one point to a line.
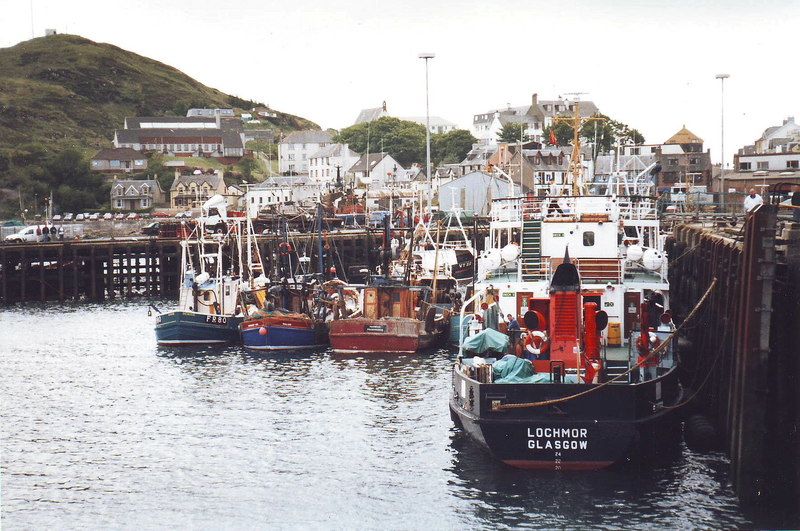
491	316
752	201
513	330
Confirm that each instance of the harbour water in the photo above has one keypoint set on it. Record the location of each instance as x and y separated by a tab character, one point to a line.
101	428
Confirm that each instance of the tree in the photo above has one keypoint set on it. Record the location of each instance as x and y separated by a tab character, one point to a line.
403	140
512	132
607	132
75	187
562	132
246	166
451	147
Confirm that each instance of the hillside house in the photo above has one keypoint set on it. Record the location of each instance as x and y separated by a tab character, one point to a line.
295	149
376	170
116	160
132	195
327	162
192	190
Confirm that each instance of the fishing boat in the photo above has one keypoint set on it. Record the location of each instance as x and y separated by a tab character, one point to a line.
393	316
289	315
208	310
592	376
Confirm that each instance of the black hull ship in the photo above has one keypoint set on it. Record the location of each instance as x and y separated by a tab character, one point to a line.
584	433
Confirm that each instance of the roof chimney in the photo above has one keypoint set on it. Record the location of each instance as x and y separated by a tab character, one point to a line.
535	99
217	118
384	106
789	120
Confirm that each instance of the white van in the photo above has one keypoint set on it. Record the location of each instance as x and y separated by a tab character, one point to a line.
32	233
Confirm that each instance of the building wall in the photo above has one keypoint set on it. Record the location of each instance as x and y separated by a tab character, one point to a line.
294	156
473	192
323	169
126	166
767	162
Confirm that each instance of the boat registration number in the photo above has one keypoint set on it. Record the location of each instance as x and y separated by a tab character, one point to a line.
216	319
375	328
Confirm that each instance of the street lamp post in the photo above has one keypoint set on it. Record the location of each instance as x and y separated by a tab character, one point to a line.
722	78
427	56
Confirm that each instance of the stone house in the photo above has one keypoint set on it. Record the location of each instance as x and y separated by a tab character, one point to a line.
132	195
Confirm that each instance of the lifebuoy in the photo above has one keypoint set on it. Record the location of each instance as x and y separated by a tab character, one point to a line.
536	343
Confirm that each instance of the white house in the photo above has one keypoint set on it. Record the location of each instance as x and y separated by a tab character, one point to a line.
324	164
376	170
438	125
539	114
281	189
295	149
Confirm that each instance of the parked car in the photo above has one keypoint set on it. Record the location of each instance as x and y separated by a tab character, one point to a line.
95	216
145	215
119	215
57	217
69	216
80	217
151	229
162	215
186	214
108	215
33	233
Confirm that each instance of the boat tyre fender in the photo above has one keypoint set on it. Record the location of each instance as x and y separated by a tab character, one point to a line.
430	320
536	343
700	434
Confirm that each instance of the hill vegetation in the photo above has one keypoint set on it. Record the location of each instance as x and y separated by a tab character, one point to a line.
65	93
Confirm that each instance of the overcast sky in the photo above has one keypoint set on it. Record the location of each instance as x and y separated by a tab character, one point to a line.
650	64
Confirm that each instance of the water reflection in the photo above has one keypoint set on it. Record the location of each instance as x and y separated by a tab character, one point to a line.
101	428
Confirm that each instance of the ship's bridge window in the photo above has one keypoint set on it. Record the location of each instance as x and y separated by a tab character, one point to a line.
588	238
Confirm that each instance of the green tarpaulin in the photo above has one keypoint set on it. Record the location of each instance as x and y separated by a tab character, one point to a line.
486	341
512	369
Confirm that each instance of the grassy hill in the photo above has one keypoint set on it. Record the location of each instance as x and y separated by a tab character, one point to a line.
71	91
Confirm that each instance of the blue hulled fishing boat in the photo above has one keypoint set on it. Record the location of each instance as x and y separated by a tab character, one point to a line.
208	310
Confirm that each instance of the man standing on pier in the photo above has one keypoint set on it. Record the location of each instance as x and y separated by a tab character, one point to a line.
752	201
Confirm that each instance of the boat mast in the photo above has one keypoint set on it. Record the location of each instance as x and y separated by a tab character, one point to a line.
575	165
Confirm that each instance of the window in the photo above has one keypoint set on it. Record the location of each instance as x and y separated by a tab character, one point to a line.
635	151
119	190
672	162
762	165
694	160
291	147
115	164
304	156
588	238
653	149
744	165
119	203
291	156
793	163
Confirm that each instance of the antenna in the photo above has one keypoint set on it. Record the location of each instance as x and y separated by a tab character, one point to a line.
577	95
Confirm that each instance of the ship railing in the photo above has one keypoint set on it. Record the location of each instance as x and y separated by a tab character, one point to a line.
516	209
508	209
638	208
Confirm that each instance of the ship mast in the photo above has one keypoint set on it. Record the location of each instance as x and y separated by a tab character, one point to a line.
575	165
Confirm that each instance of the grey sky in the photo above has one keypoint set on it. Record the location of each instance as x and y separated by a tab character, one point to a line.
650	64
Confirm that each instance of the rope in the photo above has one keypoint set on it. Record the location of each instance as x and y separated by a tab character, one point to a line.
654	352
